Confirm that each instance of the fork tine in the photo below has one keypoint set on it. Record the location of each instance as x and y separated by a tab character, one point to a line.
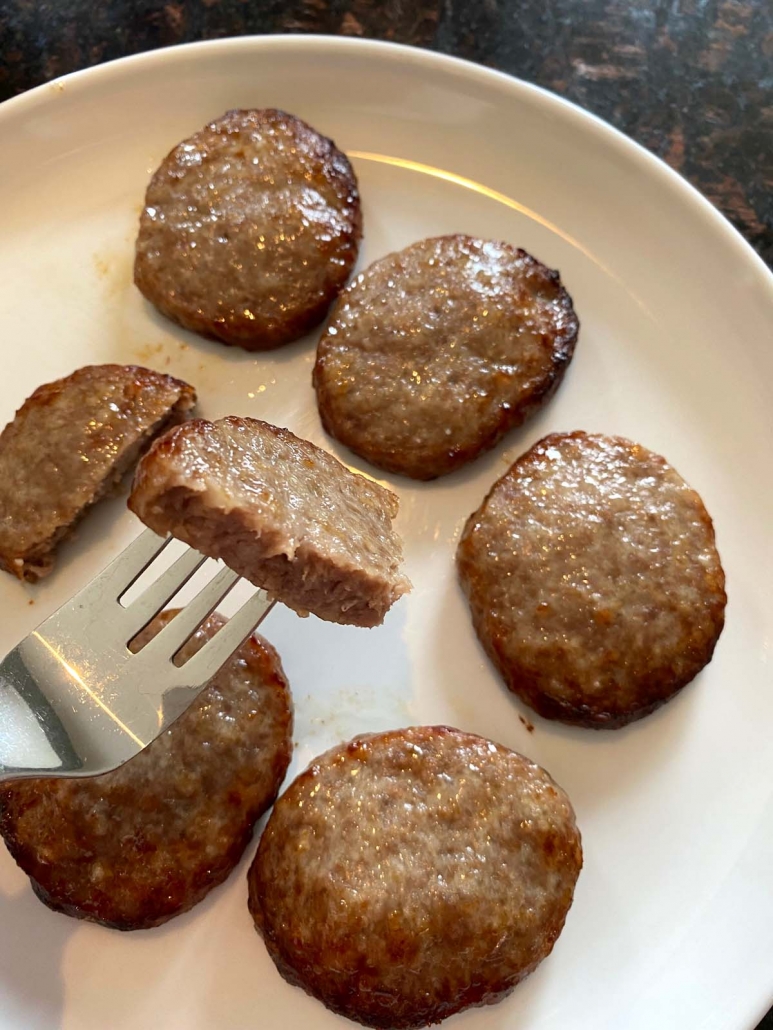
216	652
151	601
127	568
168	642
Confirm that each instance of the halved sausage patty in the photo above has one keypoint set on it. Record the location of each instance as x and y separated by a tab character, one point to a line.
71	443
134	847
593	579
282	512
411	874
432	354
250	229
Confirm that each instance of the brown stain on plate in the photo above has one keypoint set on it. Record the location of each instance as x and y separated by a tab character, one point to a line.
102	266
113	270
149	351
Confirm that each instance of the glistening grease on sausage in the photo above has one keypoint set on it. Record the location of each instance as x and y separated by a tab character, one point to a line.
593	578
432	354
250	229
411	874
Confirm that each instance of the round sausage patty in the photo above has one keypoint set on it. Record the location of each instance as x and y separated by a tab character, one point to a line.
250	229
432	354
593	579
134	847
411	874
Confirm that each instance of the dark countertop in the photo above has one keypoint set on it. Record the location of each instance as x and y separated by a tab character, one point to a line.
690	79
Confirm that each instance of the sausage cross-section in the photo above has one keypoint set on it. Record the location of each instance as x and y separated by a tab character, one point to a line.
70	443
278	510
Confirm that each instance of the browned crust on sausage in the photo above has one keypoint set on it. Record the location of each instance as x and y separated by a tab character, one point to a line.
40	501
135	847
551	680
392	438
302	301
364	903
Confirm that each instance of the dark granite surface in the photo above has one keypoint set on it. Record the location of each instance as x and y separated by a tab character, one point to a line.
690	79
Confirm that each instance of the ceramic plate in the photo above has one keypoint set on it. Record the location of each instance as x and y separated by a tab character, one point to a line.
672	923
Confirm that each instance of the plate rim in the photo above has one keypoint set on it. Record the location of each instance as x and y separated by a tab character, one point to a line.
48	92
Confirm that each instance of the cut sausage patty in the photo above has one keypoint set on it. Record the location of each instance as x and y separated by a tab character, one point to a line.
250	229
70	443
435	352
593	579
281	512
410	874
134	847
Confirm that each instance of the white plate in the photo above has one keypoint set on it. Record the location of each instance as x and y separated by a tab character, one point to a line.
672	924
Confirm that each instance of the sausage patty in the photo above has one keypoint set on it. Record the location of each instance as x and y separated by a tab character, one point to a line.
434	353
250	229
70	443
283	513
411	874
134	847
593	579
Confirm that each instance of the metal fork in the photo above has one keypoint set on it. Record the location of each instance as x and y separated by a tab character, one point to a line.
75	701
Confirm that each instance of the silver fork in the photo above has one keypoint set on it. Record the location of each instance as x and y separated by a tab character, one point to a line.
75	701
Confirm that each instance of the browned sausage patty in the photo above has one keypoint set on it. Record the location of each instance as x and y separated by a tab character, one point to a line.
283	513
593	579
411	874
250	229
434	353
70	443
134	847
